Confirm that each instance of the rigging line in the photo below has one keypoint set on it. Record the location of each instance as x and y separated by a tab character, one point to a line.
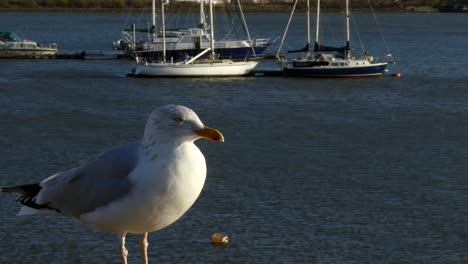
240	20
358	33
232	19
332	28
194	16
228	22
286	30
246	29
141	16
175	17
128	16
189	17
219	20
380	28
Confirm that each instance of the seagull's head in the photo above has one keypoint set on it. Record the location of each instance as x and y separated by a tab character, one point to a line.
178	123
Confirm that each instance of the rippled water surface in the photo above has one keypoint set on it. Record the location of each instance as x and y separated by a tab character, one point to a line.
312	171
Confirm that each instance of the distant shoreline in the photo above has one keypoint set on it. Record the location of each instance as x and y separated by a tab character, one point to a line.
245	9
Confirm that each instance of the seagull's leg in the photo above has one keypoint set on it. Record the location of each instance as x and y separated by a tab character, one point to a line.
123	250
144	248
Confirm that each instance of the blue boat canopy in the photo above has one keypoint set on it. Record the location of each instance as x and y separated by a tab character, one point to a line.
319	47
7	36
305	49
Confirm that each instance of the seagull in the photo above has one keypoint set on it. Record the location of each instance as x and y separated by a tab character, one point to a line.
135	188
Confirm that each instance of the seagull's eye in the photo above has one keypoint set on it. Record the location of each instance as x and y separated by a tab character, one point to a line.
179	119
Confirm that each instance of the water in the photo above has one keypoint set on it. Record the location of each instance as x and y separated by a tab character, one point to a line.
312	171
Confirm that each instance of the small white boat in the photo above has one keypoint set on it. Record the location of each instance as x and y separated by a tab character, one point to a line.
12	46
193	67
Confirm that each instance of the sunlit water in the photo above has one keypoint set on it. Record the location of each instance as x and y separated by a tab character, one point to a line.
312	171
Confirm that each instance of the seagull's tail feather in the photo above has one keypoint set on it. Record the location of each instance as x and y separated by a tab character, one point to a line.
25	189
29	193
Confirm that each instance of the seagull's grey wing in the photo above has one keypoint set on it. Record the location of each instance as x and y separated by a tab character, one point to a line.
98	182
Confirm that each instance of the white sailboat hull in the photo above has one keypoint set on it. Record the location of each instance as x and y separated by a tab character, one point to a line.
200	69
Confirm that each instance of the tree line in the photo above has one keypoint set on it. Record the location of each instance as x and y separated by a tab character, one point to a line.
141	4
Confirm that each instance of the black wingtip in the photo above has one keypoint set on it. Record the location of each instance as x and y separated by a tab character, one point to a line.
28	195
25	189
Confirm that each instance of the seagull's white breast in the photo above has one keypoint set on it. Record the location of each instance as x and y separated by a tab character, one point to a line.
165	186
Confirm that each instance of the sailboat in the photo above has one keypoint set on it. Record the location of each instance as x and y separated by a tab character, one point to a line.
189	41
193	67
341	63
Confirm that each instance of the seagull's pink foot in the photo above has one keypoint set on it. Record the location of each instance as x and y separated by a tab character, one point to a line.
123	250
144	248
124	254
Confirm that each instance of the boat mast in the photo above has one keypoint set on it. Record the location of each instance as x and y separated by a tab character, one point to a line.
246	29
212	30
286	30
318	26
348	48
202	17
308	30
153	26
163	3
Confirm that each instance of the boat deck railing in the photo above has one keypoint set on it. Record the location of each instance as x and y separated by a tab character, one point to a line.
48	45
261	42
179	46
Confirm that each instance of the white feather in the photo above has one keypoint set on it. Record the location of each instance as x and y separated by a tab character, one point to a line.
27	211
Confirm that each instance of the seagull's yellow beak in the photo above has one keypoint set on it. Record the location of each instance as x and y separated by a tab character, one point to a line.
210	133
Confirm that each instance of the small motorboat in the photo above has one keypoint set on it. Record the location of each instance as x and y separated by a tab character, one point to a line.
12	46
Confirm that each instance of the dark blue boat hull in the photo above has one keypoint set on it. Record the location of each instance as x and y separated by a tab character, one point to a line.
368	71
